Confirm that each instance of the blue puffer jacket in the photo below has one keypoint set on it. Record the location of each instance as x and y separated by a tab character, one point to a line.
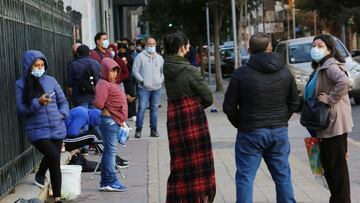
42	122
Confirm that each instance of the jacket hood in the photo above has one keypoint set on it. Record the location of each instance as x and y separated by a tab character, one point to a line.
105	67
266	62
174	65
29	58
94	117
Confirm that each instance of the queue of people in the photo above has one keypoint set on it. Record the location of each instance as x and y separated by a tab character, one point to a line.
104	85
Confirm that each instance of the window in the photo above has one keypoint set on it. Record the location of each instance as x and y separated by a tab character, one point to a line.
300	53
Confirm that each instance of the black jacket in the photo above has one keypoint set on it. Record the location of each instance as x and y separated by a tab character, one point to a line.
261	94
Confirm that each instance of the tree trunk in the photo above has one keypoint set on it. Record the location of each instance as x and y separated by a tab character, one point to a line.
218	74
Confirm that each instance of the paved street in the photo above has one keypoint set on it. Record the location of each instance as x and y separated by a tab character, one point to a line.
149	166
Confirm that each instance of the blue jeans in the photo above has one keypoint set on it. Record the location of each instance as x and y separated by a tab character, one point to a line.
145	97
272	144
109	130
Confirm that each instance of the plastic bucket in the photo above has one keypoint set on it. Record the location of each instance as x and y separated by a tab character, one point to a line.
71	181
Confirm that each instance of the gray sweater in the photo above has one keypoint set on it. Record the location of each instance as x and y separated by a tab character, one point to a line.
148	70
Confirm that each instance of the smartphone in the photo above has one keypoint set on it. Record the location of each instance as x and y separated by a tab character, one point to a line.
49	96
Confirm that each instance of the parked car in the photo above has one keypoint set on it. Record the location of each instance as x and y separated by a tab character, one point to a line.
228	58
296	53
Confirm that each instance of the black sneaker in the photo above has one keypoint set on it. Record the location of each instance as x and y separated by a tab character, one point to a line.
121	160
154	133
40	181
137	133
84	151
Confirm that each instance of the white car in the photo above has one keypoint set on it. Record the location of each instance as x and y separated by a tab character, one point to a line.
296	53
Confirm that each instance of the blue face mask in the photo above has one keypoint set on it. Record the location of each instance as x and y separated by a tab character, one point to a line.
38	73
317	54
151	50
105	44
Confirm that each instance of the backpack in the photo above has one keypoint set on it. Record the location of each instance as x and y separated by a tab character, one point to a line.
87	81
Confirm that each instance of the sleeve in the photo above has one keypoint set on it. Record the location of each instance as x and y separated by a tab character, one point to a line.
21	107
136	69
342	84
231	101
162	71
200	88
61	100
101	94
76	123
124	70
96	68
293	97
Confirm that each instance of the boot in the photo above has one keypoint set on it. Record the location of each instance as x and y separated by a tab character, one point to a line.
138	133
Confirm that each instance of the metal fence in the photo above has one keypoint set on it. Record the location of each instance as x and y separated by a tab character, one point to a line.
24	25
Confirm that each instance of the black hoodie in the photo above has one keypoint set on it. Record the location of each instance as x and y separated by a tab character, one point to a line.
261	94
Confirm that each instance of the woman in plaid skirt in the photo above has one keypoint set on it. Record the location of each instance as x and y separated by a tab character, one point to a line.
192	174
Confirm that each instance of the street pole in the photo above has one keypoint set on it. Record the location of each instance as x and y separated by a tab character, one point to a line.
315	28
233	12
208	40
293	15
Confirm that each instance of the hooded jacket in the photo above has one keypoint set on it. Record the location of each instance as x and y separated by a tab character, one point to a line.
182	79
80	119
108	94
261	94
42	122
148	70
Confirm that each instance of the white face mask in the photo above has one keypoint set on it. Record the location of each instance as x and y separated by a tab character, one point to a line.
317	54
105	44
151	50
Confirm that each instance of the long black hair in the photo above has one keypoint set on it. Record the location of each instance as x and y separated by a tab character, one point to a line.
331	45
173	42
32	89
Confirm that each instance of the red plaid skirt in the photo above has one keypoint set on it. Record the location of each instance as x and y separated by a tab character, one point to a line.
192	174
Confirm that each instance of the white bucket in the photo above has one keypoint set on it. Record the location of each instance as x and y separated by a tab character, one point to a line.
71	181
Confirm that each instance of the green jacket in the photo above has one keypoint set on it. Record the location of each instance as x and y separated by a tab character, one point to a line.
183	79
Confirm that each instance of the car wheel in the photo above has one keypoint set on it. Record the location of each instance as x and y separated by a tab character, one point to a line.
357	100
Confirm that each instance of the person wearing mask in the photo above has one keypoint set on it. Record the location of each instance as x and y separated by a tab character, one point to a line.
111	100
139	46
42	103
148	72
260	99
188	132
101	51
132	50
330	84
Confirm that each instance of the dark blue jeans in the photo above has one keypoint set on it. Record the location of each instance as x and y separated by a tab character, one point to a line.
145	97
272	144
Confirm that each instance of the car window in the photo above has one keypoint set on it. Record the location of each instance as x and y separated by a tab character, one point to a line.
341	49
300	53
226	53
281	49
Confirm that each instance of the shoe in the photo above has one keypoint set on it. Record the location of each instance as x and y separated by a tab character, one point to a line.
154	133
122	165
116	187
137	133
119	159
40	181
133	118
84	152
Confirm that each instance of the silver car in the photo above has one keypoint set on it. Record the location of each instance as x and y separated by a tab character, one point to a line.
296	53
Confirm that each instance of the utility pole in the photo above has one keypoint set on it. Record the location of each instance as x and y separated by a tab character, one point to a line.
236	50
293	15
208	40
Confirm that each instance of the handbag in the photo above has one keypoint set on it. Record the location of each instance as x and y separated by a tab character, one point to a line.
313	152
315	115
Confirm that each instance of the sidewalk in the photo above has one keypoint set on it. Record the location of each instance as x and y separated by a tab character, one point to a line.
149	166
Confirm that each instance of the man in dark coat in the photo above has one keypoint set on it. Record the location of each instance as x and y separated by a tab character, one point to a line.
259	101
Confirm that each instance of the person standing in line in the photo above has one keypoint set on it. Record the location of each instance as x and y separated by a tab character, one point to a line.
260	99
102	44
111	100
192	173
330	84
41	101
148	72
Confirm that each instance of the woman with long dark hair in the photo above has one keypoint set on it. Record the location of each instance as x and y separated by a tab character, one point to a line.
192	174
40	99
330	84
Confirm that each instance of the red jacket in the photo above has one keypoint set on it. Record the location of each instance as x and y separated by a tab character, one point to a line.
108	94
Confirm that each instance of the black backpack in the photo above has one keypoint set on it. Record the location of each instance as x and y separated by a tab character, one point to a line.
87	81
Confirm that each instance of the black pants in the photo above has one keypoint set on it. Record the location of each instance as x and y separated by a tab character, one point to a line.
89	137
130	89
332	154
51	150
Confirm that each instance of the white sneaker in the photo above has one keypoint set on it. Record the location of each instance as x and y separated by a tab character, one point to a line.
133	118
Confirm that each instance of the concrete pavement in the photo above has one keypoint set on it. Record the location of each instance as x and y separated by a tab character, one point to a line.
149	166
